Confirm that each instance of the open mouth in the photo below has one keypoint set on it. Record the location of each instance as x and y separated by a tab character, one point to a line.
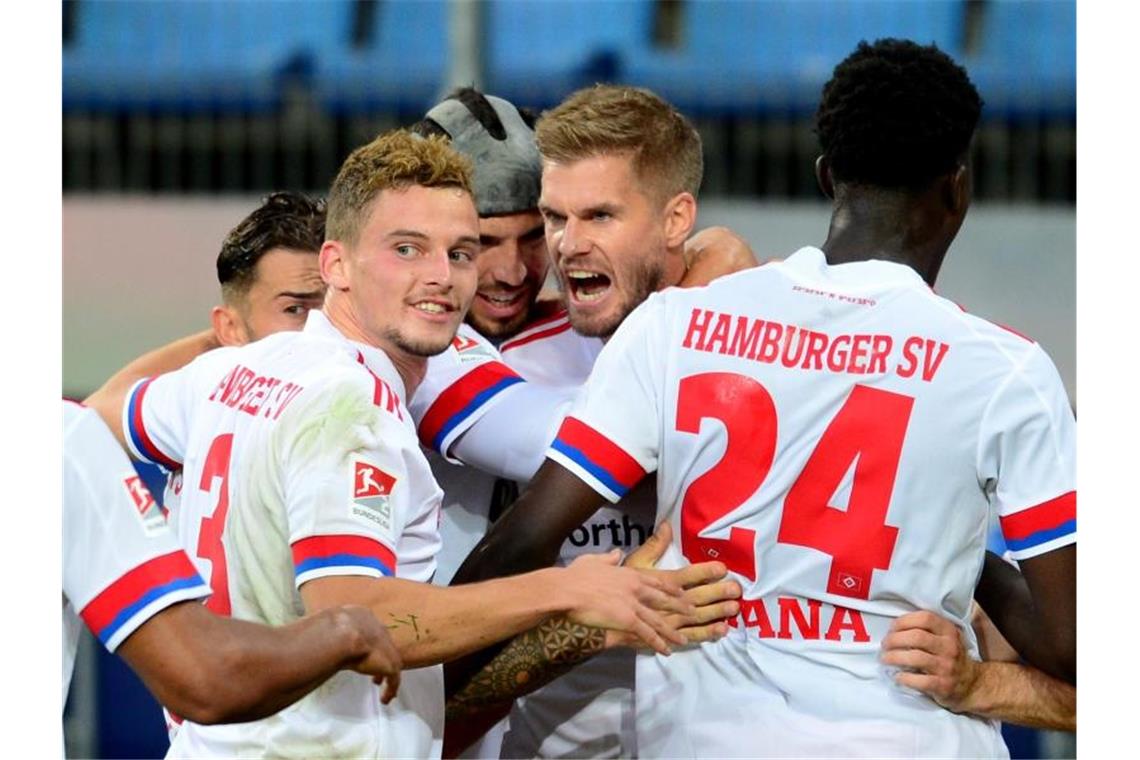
586	287
433	308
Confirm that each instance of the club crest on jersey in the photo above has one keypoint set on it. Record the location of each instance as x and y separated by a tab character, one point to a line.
469	349
150	514
371	493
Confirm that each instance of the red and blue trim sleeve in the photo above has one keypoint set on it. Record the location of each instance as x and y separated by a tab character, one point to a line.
597	460
320	556
141	443
141	593
1039	529
455	408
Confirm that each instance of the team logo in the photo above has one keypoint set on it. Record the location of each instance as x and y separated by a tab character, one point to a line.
463	343
371	493
848	582
149	512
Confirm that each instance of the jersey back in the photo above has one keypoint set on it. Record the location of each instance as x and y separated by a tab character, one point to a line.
837	436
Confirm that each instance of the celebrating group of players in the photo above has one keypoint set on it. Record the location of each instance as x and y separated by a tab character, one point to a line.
806	571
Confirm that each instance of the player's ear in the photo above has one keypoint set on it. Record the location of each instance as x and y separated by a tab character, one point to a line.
680	216
823	177
958	190
229	327
333	263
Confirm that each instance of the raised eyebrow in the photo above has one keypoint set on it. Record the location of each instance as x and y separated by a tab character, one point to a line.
467	239
311	295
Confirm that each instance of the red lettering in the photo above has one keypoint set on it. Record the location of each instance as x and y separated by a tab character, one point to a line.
234	394
789	609
698	327
854	623
788	359
720	333
745	340
909	348
858	353
226	384
754	615
880	348
817	342
836	358
255	394
289	392
930	367
770	343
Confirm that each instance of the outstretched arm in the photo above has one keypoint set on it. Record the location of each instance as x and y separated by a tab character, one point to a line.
212	669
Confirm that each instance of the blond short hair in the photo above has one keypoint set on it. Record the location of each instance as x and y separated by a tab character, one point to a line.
611	119
394	160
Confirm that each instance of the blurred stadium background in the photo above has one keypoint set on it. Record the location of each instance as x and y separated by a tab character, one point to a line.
179	114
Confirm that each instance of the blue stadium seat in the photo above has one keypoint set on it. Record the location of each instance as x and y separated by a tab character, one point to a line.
539	52
186	56
1026	64
400	67
760	58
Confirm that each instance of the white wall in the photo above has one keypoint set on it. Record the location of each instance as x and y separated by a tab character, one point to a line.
138	272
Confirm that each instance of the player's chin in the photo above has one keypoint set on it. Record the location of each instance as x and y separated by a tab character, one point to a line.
427	342
491	327
596	323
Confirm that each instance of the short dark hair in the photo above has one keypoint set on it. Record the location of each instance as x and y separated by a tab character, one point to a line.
283	220
896	114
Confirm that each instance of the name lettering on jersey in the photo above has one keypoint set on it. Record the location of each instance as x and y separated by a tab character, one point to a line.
791	617
254	394
626	533
371	493
796	347
151	515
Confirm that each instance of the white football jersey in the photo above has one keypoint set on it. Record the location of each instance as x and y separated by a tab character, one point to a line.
590	709
121	564
838	436
299	461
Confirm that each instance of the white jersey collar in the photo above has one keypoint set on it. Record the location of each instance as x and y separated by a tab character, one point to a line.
373	358
810	263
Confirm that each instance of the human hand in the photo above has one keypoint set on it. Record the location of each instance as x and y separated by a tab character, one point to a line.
713	252
930	650
629	603
713	597
373	651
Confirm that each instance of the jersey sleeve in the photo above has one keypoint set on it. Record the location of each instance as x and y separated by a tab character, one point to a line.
156	412
510	439
347	497
611	438
1027	458
460	386
122	565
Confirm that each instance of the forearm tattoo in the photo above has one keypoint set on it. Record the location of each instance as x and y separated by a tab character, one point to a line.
529	661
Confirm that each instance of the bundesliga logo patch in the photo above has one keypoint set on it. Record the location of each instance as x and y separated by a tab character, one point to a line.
150	514
469	349
371	492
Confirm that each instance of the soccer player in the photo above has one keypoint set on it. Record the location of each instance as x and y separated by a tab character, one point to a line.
588	710
305	486
828	427
126	578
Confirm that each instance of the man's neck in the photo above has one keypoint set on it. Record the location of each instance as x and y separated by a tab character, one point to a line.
886	228
410	367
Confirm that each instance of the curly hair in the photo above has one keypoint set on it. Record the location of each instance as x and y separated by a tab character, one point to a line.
606	119
394	160
283	220
896	114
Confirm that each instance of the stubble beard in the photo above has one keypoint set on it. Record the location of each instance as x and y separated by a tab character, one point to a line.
643	279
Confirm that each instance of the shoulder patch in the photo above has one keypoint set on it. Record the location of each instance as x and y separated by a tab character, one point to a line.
371	493
150	514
